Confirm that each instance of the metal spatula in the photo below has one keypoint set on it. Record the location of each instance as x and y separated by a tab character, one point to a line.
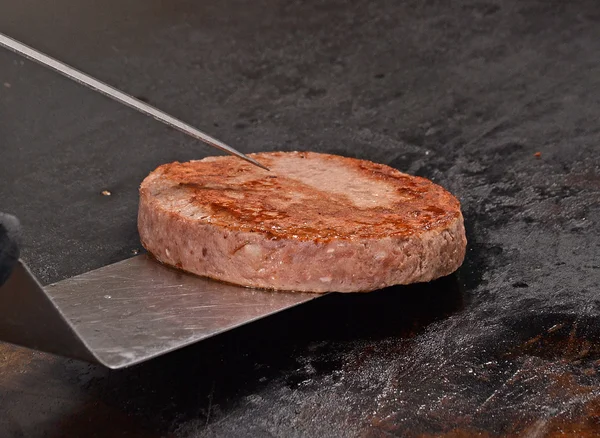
121	314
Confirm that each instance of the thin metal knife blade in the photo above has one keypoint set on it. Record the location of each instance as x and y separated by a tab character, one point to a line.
117	95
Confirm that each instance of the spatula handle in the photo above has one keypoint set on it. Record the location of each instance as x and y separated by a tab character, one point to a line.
10	238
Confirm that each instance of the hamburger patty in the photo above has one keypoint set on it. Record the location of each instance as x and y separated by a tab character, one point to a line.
315	223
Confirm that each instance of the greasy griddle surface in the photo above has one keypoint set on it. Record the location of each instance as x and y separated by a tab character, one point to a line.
307	196
463	92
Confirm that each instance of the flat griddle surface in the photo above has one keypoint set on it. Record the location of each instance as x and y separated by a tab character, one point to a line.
464	94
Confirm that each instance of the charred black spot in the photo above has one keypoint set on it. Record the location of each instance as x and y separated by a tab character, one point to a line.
520	284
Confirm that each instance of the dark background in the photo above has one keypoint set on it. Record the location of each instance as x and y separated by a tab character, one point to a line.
462	92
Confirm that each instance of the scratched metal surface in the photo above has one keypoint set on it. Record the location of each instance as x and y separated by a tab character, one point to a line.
464	92
137	309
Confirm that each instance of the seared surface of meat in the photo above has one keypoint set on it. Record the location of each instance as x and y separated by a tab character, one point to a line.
316	222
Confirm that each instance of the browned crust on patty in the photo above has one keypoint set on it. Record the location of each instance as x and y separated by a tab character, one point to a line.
316	222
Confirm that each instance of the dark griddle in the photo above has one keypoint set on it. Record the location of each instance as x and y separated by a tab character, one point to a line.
461	92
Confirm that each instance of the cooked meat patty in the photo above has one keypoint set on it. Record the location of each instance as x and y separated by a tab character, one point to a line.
314	223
